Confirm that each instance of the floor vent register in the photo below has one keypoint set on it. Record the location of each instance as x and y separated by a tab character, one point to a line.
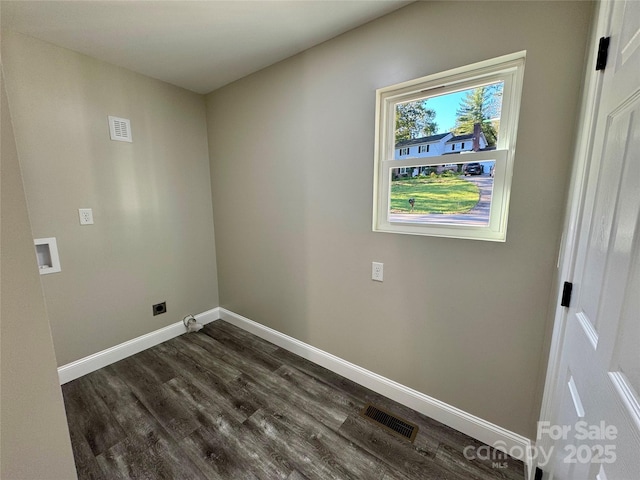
390	422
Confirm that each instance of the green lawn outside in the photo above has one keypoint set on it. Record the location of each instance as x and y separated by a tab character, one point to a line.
433	195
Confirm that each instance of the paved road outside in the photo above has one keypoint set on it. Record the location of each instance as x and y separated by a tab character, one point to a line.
477	216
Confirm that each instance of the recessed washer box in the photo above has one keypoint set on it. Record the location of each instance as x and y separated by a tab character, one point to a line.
47	254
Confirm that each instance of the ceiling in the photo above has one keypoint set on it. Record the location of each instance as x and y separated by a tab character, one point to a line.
198	45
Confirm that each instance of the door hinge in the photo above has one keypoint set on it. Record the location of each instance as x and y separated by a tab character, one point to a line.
566	294
603	52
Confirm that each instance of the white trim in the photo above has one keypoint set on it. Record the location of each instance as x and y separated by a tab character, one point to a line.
627	394
601	475
451	416
518	446
509	70
584	143
575	396
589	331
94	362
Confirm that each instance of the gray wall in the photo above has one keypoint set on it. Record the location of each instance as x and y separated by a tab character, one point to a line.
34	440
291	151
153	236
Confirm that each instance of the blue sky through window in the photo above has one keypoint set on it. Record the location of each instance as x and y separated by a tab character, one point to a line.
445	107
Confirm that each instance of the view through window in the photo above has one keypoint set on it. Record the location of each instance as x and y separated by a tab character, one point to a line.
456	192
445	151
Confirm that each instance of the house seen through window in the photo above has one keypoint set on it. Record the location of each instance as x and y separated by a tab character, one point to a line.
456	181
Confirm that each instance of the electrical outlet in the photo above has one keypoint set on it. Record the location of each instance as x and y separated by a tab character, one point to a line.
159	308
86	216
377	271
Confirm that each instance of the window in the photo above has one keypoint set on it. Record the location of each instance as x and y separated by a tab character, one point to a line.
423	149
404	151
459	194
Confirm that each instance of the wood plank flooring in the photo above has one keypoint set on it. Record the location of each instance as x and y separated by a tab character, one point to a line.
224	404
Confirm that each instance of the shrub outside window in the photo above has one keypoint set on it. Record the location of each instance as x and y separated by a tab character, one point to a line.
459	186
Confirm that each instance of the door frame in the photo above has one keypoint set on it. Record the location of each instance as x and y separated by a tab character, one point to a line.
591	89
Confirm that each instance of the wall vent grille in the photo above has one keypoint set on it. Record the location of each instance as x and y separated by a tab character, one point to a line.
390	422
120	129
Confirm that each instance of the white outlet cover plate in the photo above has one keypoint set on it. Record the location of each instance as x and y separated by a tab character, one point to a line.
86	216
377	270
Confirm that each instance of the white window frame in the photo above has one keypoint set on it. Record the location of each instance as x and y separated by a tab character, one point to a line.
508	69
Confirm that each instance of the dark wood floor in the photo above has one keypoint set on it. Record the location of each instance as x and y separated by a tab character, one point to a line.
224	404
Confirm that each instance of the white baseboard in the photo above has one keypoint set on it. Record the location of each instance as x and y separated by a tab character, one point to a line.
94	362
518	446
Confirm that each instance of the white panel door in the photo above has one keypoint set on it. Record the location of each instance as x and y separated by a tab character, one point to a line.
596	423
